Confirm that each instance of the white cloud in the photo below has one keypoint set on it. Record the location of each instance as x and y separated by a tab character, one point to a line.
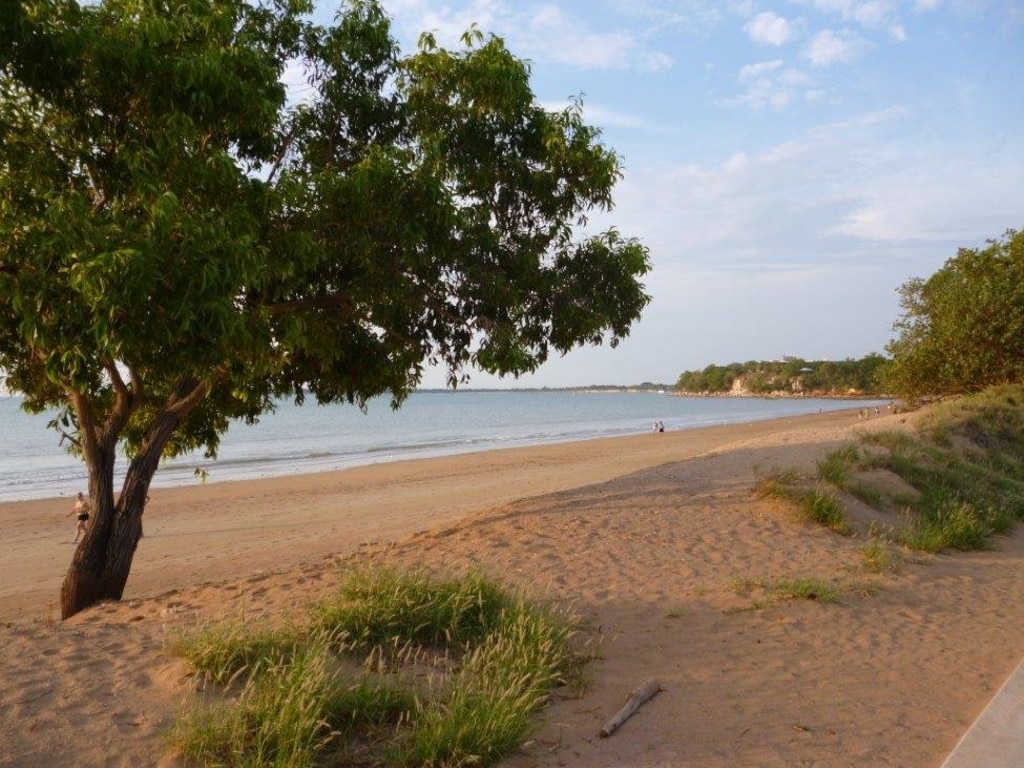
762	68
683	14
873	14
794	78
598	115
767	84
917	202
549	33
770	29
543	32
845	192
870	14
828	47
445	24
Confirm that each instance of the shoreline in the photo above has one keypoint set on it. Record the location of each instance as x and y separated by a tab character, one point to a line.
37	542
292	444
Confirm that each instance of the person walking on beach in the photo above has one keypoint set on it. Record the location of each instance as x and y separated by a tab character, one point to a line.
81	509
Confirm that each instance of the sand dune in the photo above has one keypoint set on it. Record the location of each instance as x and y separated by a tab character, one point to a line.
656	539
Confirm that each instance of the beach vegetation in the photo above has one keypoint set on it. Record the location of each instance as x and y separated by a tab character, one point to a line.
376	607
395	670
816	503
878	556
804	589
821	505
962	329
835	467
776	482
769	592
231	647
960	476
867	493
185	243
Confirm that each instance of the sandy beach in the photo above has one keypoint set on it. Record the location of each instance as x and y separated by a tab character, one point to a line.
654	539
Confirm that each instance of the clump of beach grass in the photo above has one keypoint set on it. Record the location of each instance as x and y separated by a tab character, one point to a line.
232	647
804	589
773	591
404	669
878	557
818	503
837	465
376	607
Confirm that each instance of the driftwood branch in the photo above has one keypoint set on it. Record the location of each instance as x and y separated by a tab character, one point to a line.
636	699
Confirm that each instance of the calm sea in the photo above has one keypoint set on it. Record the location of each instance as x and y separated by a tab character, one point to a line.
317	438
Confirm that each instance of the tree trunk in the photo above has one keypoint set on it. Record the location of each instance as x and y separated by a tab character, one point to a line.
100	566
99	569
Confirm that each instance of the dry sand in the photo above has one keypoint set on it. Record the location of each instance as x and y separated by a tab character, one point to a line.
648	536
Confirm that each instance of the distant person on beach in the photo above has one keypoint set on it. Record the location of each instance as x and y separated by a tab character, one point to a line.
81	509
660	426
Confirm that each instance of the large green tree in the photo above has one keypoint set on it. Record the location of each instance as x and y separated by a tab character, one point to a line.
962	329
181	245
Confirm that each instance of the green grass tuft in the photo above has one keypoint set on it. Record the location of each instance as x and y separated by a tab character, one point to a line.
381	607
822	506
837	466
804	589
877	557
225	650
397	669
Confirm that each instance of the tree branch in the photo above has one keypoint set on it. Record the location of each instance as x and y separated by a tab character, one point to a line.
116	379
124	402
188	394
287	145
89	442
99	195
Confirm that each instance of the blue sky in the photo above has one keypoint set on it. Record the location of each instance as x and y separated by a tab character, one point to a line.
789	162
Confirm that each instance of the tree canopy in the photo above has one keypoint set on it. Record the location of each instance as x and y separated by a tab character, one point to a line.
962	329
181	244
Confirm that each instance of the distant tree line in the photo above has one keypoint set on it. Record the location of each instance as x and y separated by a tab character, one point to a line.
792	375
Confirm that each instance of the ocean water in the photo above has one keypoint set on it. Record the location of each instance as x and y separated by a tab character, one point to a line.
315	438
